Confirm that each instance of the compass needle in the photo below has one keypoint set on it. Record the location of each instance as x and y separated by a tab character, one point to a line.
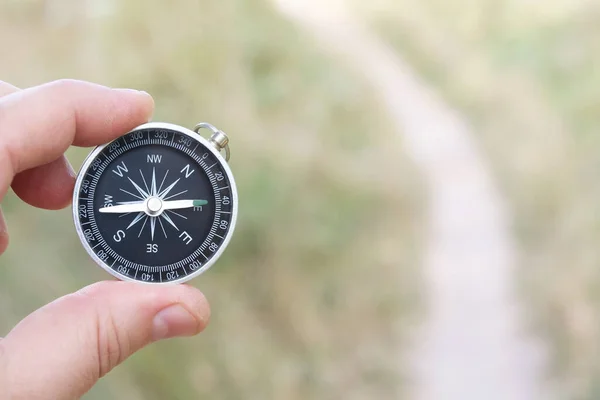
165	177
180	204
128	207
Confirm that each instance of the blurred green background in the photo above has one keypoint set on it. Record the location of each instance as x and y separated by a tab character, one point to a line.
321	282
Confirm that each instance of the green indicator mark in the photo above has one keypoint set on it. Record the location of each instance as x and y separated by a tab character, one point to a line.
200	203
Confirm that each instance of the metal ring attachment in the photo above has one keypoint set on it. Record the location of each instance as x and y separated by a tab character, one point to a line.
218	139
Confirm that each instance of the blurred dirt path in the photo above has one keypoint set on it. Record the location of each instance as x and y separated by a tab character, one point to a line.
472	344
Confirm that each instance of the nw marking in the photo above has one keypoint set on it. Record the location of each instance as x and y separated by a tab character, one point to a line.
154	158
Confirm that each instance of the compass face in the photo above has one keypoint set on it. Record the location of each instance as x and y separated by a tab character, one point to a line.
157	205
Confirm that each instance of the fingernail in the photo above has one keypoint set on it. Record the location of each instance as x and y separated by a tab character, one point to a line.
127	90
149	100
143	92
174	321
70	169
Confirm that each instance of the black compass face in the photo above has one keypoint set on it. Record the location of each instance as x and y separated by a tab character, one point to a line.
156	205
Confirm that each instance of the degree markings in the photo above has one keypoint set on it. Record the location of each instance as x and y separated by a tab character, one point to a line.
199	160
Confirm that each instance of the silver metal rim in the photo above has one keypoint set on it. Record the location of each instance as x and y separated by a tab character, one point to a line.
216	131
156	125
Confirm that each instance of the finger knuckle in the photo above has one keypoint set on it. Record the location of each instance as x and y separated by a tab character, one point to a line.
9	163
66	84
113	345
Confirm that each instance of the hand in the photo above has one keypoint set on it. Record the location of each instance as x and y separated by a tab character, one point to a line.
61	350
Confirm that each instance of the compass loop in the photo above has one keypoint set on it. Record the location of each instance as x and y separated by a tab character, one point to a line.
218	139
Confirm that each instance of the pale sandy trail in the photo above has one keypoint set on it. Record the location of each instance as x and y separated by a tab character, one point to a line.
472	344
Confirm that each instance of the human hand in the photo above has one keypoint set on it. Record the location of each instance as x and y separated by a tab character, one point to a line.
61	350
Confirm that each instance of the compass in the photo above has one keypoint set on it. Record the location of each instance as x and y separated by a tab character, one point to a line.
158	204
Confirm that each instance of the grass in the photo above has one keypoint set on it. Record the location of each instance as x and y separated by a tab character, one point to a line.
313	295
525	76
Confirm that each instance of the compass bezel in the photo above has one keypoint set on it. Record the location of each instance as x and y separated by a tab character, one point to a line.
194	136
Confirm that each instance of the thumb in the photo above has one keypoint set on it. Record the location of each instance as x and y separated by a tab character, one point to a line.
62	349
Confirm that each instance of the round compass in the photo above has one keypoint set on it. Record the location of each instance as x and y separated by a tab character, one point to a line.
157	205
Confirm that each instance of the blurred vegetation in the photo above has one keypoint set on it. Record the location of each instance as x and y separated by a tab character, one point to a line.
315	292
313	296
525	74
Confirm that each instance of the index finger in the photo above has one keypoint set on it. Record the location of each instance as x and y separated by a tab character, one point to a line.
6	89
37	125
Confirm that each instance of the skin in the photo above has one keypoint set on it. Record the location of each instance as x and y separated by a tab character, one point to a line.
62	349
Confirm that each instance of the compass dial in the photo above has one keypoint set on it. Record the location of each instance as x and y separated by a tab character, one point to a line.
157	205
